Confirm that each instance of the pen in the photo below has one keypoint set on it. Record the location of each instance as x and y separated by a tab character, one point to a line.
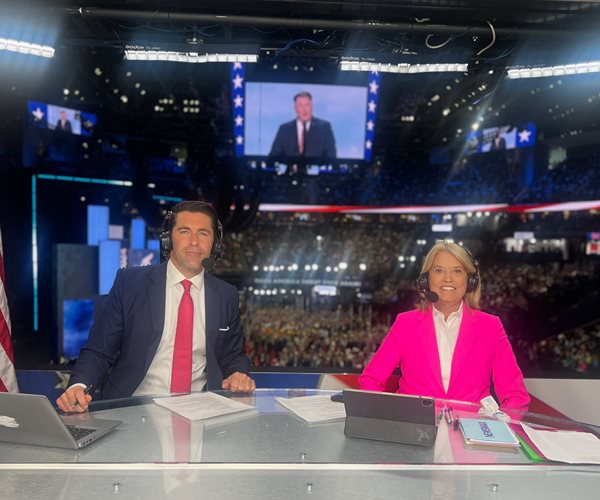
447	415
451	412
87	390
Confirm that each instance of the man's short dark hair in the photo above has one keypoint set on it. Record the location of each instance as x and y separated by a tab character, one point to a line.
195	206
304	93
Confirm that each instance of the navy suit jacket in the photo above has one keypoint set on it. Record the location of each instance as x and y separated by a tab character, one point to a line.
125	336
318	142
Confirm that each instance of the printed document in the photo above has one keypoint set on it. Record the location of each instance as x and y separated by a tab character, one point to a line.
571	447
314	409
202	405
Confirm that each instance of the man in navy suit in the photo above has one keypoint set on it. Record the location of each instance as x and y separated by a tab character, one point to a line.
306	136
498	142
131	346
63	124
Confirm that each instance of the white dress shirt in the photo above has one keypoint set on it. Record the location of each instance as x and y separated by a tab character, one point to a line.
299	126
446	334
158	377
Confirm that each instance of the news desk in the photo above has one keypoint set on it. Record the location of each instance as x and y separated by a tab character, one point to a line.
268	453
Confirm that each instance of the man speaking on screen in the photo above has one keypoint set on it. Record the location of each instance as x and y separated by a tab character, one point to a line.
305	136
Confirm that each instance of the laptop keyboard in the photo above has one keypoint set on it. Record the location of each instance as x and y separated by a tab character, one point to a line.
79	432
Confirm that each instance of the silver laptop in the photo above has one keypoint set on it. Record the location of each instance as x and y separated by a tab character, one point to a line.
31	419
396	418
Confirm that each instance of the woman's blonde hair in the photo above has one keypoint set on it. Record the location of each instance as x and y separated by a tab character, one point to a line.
467	261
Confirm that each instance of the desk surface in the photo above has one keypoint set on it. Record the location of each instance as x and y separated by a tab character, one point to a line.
261	453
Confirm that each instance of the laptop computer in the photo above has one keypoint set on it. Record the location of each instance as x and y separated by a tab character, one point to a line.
31	419
396	418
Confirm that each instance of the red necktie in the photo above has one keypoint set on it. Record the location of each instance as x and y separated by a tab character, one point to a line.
181	372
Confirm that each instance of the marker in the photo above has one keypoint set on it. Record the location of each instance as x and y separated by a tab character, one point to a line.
448	417
87	390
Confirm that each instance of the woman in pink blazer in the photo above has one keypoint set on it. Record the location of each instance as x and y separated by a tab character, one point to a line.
447	348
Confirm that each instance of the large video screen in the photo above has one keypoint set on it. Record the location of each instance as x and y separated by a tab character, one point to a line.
61	119
55	135
501	138
301	120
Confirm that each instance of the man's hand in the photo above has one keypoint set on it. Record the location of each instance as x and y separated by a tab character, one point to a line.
239	382
74	400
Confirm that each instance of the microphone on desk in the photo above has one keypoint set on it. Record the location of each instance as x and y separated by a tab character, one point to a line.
209	264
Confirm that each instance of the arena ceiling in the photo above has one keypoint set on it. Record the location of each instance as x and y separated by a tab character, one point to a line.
317	34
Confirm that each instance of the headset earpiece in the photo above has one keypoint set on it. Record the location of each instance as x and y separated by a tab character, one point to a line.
472	278
473	281
166	242
218	249
423	283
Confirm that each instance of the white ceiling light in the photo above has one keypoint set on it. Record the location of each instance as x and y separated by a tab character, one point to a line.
187	57
33	49
561	70
403	67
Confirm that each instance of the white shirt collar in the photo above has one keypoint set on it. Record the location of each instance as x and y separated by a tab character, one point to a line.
174	277
456	314
300	122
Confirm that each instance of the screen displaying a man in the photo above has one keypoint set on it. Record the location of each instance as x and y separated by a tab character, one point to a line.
498	142
306	135
63	124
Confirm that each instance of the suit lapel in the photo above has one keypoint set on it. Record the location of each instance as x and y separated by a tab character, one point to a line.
211	317
428	341
467	336
157	299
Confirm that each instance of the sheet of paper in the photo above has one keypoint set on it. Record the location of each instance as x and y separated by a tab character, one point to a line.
566	446
314	409
202	405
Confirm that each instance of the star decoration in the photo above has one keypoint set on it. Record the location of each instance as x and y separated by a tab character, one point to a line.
237	82
372	106
239	121
370	125
38	114
238	101
524	135
373	87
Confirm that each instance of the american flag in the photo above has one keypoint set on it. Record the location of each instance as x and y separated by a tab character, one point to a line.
373	100
8	378
238	76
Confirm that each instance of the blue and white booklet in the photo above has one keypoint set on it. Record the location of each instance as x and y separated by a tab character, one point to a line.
487	432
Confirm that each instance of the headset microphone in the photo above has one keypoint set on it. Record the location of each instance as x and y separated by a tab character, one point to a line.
209	264
423	288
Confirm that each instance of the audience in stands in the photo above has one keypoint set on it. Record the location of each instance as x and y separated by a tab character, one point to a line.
526	294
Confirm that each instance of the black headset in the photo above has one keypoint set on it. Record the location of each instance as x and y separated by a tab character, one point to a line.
166	240
472	278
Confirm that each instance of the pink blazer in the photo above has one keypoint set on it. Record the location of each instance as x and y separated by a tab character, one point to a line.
482	354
